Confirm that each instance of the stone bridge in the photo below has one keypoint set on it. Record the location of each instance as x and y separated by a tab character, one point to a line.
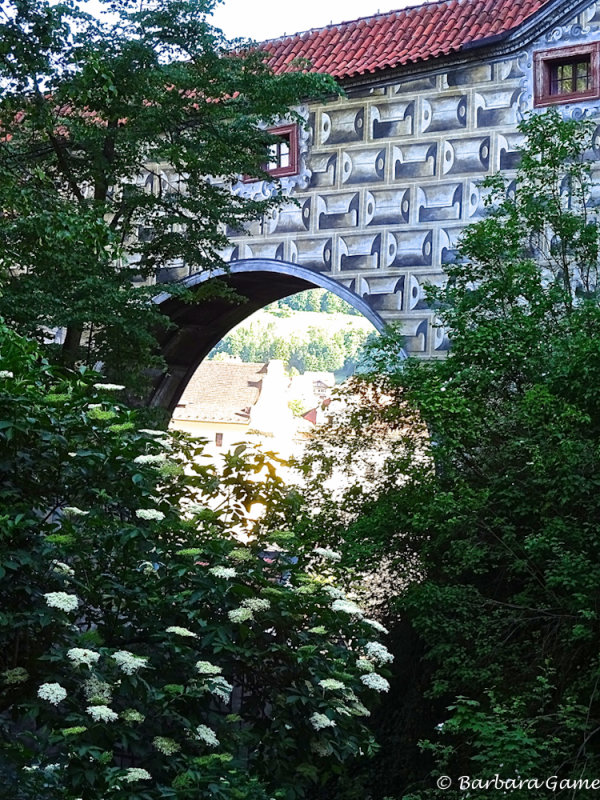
383	180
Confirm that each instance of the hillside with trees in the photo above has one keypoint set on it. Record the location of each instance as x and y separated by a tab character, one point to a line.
309	331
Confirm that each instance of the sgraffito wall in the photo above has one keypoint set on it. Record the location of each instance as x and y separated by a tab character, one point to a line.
390	177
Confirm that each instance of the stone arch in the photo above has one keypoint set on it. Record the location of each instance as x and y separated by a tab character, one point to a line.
199	327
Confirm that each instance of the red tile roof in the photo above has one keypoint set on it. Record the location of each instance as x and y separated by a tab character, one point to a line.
400	37
221	391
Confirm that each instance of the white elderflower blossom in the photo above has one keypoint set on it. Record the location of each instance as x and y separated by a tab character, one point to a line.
240	614
61	568
96	690
52	692
332	683
133	774
131	715
151	514
207	735
128	662
223	572
79	655
320	721
102	713
6	373
359	710
15	675
181	631
364	666
149	458
348	607
109	387
62	600
166	746
374	681
256	604
206	668
325	552
73	511
378	652
377	625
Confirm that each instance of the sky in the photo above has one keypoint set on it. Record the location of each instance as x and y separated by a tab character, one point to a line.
267	19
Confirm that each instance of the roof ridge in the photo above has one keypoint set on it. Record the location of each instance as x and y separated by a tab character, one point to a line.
409	7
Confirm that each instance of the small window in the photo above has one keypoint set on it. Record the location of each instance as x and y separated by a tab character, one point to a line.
566	75
283	156
219	439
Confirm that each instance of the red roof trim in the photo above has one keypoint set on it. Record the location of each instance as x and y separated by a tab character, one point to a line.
410	35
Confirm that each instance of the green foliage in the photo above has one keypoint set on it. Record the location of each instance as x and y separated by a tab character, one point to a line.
110	127
486	513
318	349
146	651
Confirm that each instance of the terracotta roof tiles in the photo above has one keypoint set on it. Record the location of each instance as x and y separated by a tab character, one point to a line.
400	37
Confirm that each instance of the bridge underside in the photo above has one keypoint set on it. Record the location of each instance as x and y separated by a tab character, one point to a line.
199	326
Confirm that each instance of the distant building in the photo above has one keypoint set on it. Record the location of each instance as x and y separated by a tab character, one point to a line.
228	402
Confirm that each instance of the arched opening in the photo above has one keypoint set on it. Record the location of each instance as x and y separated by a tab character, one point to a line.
199	327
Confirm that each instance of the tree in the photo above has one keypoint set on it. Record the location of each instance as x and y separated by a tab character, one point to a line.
110	129
489	525
145	651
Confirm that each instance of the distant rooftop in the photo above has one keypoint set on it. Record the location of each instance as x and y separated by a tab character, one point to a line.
222	391
410	35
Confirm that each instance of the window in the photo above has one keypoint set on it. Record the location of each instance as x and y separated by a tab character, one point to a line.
566	74
219	439
283	157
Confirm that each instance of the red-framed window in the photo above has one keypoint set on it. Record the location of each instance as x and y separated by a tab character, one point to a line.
283	154
567	74
283	157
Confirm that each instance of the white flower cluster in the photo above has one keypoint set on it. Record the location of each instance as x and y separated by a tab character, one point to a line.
96	690
15	675
347	607
325	552
240	614
150	459
151	514
364	666
131	715
181	631
109	387
52	692
102	713
166	746
73	511
79	655
331	683
61	568
150	432
207	735
62	600
377	625
223	572
206	668
378	652
129	663
374	681
6	373
256	604
320	721
137	774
